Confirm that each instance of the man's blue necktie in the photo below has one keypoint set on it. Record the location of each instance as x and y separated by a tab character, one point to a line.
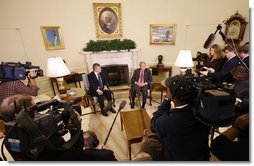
100	81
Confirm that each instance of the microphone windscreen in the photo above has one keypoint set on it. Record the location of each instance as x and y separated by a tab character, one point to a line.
123	103
209	41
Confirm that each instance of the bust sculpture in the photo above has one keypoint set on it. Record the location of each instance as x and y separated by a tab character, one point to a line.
160	64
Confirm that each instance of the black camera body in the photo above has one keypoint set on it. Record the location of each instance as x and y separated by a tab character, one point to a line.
213	105
23	141
18	71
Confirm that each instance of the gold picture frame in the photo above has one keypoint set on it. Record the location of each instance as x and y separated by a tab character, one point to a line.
108	20
162	34
52	37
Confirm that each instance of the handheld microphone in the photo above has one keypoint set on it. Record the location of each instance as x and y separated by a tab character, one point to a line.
211	38
123	103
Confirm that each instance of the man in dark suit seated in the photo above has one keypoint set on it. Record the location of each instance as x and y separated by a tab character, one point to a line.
224	74
140	80
99	89
90	151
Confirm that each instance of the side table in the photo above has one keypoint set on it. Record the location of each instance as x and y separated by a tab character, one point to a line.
134	126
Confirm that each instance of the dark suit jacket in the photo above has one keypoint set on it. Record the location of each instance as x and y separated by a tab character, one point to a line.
226	150
97	155
147	76
76	153
246	61
94	83
224	74
215	64
183	137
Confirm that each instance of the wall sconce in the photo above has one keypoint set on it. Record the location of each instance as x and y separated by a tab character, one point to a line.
184	60
56	68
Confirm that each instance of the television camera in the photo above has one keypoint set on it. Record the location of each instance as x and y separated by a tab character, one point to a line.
32	131
200	59
215	104
18	71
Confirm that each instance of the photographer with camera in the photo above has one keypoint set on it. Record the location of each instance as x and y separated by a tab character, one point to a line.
226	148
14	87
183	137
9	107
40	136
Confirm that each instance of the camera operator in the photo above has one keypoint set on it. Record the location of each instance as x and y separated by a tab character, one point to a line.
14	87
12	104
7	109
183	136
69	154
225	148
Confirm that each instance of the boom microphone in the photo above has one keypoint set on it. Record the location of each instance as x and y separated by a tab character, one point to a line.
209	41
123	103
211	37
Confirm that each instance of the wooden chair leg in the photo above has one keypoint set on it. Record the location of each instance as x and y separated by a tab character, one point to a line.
129	144
121	123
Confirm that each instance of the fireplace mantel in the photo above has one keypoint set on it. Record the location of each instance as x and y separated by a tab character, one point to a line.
111	58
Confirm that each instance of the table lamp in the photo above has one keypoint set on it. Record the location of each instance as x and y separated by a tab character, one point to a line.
184	60
57	69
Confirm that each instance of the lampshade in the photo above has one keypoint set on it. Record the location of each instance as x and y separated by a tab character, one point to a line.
56	67
184	59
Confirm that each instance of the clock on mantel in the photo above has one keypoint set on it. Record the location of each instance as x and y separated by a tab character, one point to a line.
235	28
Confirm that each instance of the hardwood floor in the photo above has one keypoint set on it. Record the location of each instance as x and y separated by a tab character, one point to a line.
117	139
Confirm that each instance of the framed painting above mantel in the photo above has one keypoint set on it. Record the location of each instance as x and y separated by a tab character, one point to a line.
108	20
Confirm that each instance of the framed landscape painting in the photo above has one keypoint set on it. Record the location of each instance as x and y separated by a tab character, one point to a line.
162	34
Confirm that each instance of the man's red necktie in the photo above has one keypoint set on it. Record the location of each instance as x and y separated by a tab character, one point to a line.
141	77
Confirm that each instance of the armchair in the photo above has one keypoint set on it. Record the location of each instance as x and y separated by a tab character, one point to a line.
93	99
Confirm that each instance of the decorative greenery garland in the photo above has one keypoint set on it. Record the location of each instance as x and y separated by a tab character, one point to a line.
109	45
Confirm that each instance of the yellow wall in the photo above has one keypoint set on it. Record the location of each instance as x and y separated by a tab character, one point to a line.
195	20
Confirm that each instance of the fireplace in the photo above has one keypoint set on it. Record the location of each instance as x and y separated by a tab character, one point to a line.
113	58
117	74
